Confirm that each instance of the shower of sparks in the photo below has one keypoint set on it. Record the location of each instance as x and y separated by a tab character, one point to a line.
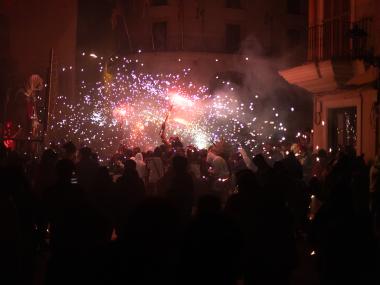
128	105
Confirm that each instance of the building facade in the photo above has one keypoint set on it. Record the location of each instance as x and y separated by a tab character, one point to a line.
342	73
211	36
37	37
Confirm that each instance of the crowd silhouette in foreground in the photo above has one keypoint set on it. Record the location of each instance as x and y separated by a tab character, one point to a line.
186	216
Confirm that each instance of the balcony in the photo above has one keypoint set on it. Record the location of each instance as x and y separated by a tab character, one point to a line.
340	40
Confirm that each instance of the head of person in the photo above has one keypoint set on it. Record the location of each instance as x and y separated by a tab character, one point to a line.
69	150
129	166
260	162
149	154
157	152
176	142
139	157
85	153
164	148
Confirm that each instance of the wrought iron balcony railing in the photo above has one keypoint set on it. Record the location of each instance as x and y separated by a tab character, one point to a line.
339	39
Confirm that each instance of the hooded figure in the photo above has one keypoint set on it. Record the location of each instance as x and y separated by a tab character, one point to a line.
219	168
140	165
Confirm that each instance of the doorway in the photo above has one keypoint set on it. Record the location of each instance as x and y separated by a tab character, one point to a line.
342	128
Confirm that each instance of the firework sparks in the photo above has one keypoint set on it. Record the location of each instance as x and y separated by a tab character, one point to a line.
129	105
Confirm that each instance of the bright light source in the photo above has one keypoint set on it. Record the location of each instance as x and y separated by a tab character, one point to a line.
178	100
181	121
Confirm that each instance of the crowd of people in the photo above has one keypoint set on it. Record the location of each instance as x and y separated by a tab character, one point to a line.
180	215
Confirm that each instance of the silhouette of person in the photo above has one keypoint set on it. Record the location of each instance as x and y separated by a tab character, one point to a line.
180	187
212	246
75	227
265	222
86	168
130	192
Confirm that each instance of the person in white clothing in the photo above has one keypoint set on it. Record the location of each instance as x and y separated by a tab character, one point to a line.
219	168
140	165
156	171
220	174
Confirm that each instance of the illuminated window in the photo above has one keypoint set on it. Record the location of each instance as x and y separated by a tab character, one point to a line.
234	4
159	34
294	7
159	2
232	37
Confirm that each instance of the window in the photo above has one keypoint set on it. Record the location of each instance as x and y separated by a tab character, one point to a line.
232	37
159	34
159	2
234	4
294	7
